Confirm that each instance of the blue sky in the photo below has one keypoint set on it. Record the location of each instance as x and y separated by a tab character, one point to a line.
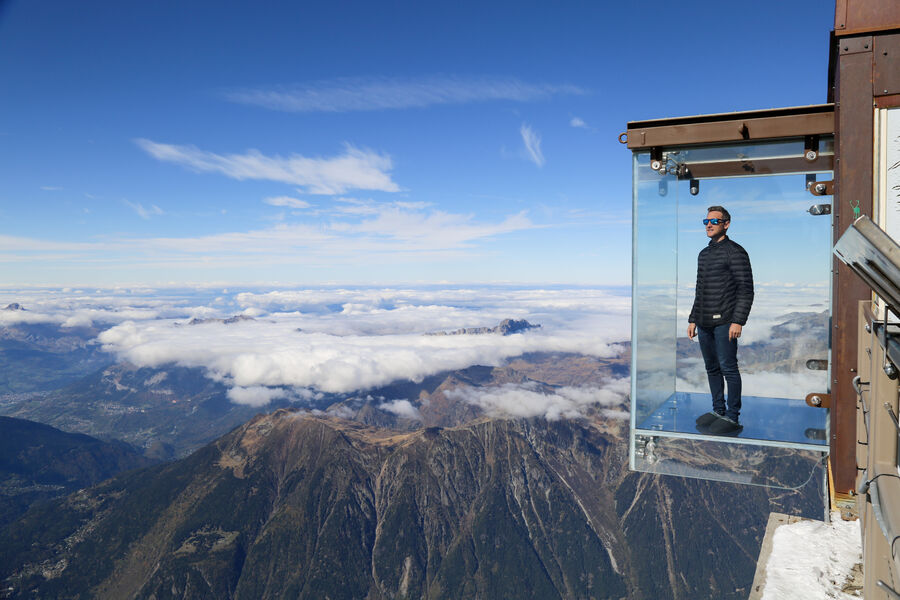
292	143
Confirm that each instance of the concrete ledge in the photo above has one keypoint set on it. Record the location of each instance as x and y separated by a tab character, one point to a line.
759	579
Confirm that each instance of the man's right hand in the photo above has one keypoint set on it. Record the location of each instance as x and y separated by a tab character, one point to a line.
692	330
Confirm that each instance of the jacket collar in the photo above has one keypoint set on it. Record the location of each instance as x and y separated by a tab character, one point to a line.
713	242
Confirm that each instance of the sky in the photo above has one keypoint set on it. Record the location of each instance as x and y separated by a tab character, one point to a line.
349	143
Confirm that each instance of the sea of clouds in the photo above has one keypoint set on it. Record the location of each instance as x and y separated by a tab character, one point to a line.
299	344
302	343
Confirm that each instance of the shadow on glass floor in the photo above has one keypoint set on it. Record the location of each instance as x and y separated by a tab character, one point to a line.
767	421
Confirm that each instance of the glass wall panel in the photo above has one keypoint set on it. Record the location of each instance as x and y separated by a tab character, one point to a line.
654	310
794	471
789	326
790	253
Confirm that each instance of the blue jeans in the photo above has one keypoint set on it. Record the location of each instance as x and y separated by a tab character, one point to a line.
720	358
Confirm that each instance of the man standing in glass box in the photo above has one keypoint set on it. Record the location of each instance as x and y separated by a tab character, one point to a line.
722	303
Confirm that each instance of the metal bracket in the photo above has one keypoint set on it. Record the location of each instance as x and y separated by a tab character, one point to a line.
817	400
817	364
821	188
811	148
656	159
890	369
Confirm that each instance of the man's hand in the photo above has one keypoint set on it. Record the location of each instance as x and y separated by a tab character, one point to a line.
734	332
692	330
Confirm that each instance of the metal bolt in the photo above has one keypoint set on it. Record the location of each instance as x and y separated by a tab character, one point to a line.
820	188
846	48
816	401
866	46
811	155
868	328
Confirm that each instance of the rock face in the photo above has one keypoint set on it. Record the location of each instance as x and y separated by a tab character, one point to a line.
506	327
292	505
38	462
228	321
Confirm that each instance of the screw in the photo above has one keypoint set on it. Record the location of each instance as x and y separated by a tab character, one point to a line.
811	155
816	401
866	46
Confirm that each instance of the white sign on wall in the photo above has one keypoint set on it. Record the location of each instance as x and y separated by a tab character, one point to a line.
889	167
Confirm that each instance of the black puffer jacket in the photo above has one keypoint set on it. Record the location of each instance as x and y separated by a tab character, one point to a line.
724	291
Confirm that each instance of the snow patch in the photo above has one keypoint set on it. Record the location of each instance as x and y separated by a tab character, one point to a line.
812	559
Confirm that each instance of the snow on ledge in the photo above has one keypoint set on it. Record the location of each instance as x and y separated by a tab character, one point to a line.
813	559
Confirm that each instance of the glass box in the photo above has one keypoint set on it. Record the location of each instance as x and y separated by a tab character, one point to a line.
784	349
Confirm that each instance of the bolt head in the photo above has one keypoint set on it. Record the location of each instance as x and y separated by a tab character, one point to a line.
811	155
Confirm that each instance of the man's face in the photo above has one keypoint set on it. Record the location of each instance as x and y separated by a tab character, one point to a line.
714	231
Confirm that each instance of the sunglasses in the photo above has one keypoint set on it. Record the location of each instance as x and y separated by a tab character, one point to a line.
714	221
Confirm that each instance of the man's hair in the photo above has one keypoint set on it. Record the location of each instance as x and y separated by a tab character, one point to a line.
721	209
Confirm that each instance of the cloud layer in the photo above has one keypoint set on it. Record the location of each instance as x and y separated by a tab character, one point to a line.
515	400
301	342
364	94
355	169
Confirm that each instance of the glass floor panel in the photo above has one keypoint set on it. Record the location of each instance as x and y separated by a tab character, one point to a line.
766	421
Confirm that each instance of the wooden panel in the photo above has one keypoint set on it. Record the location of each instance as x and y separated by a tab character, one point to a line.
861	16
685	133
886	73
853	181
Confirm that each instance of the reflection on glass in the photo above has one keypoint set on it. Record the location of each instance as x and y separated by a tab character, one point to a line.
754	151
792	470
654	311
789	324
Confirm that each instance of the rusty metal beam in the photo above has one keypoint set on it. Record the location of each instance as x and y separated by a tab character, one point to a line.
853	17
886	70
732	127
759	166
853	182
891	101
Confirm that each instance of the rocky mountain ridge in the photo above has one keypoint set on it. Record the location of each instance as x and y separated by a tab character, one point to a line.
297	505
505	327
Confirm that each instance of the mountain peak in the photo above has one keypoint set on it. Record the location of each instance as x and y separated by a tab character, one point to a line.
506	327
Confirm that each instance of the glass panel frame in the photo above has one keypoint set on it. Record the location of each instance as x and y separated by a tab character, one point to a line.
663	405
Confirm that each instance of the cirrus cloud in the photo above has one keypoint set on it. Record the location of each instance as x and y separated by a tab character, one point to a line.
354	169
384	93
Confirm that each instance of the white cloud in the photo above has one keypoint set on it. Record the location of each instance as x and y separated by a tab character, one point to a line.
526	400
532	143
361	94
402	408
287	201
354	169
373	337
578	122
254	395
403	230
144	213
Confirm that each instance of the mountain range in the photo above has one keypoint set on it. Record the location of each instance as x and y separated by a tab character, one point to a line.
297	505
